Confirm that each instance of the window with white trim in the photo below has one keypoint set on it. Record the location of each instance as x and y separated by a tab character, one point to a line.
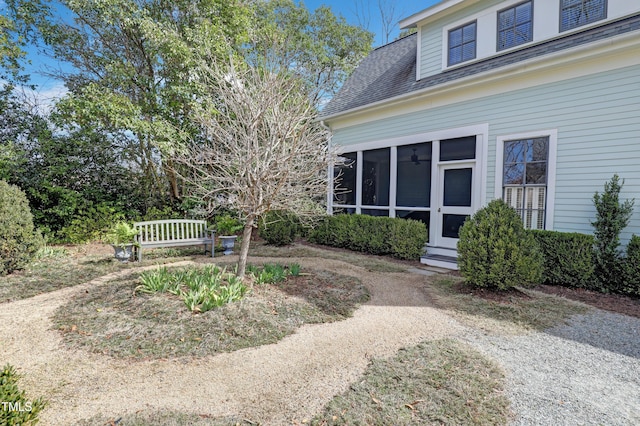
576	13
515	25
524	179
462	43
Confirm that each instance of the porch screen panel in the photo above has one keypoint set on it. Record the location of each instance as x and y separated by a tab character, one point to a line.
375	177
344	187
413	186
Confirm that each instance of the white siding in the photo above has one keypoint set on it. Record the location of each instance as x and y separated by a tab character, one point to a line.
598	123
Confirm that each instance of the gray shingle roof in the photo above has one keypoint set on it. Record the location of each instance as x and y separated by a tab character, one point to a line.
389	71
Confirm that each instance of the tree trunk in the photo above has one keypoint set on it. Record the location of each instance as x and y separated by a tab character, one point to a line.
244	247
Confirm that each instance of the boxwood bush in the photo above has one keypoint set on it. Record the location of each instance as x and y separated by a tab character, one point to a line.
495	251
19	242
279	228
400	238
568	258
631	267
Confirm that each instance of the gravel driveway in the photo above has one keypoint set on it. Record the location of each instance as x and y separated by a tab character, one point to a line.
586	372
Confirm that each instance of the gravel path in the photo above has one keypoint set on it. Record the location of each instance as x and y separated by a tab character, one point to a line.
586	372
275	384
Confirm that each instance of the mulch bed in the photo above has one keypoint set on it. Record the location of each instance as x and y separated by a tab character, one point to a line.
608	302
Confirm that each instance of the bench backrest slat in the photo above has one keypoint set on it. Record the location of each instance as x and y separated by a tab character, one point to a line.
170	230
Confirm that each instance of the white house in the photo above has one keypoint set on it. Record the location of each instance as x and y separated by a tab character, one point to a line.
536	102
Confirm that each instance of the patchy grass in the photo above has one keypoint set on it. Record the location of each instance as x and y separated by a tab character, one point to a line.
58	267
440	382
512	311
165	418
369	262
113	319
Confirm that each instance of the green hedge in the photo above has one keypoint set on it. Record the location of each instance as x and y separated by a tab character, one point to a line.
400	238
279	228
568	258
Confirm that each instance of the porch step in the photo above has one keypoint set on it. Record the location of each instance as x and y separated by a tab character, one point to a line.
440	261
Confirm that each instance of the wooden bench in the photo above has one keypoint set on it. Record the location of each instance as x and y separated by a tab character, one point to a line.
172	233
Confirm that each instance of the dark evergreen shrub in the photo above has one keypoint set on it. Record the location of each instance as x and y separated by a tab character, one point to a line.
612	217
568	258
18	240
631	267
400	238
279	228
495	251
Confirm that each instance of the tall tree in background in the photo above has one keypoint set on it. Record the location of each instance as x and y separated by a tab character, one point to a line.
320	47
11	52
386	10
263	149
133	61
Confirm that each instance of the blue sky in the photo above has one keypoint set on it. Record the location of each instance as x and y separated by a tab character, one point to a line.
357	12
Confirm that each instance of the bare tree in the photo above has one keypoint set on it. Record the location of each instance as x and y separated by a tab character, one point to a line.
387	12
263	149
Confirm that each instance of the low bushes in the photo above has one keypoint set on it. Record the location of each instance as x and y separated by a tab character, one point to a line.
400	238
495	251
568	258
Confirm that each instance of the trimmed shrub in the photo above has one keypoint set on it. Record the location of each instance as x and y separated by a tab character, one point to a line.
19	242
495	251
15	409
279	228
568	258
612	217
631	267
400	238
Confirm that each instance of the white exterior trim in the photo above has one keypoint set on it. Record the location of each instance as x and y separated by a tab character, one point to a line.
604	55
479	165
551	167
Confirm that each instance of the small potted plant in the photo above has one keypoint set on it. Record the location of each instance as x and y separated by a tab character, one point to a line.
122	238
227	227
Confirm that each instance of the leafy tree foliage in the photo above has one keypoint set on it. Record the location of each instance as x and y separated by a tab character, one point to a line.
132	76
71	175
319	46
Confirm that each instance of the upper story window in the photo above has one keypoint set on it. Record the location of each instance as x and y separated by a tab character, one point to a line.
462	43
576	13
515	25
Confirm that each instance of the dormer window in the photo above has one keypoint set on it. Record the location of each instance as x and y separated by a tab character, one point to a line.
462	43
576	13
515	25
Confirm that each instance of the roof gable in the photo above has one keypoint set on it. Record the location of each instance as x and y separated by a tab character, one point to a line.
390	71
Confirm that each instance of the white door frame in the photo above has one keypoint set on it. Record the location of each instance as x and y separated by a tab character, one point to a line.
441	209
